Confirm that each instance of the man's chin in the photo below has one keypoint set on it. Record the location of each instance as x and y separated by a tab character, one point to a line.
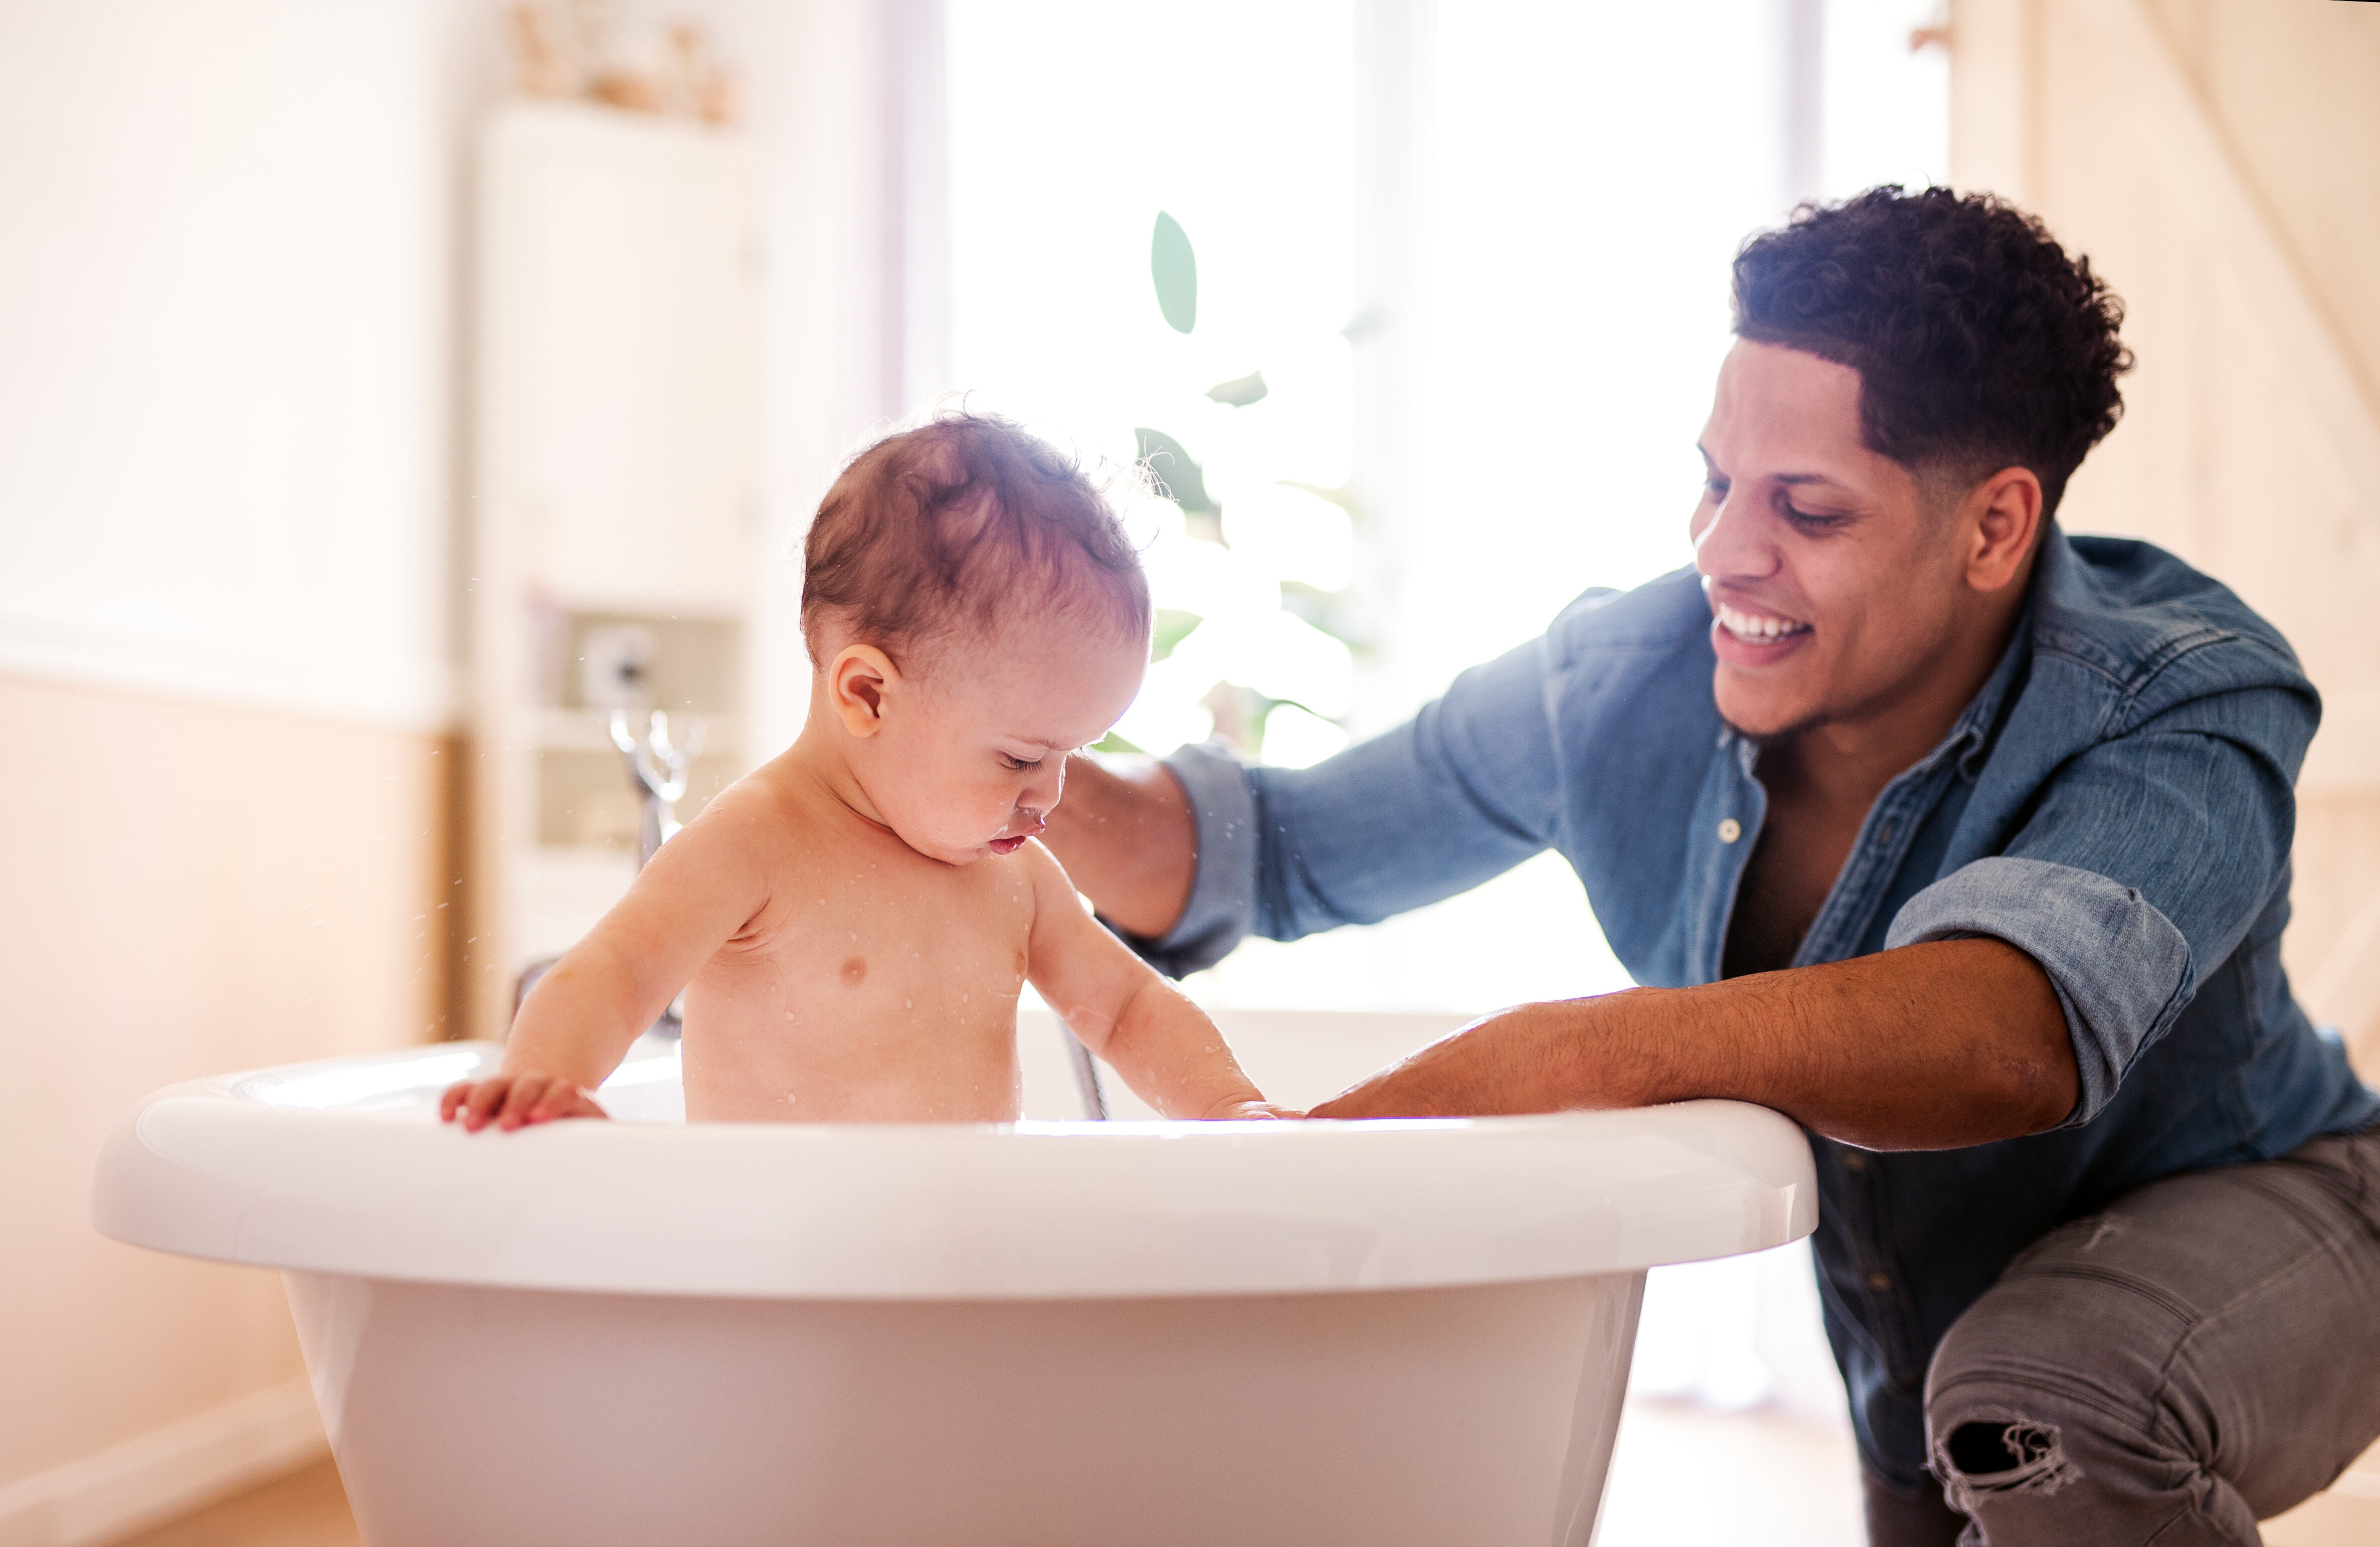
1764	726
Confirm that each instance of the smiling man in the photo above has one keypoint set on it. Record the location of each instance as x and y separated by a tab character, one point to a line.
1963	842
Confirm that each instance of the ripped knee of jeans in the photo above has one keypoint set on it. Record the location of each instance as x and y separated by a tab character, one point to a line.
2002	1452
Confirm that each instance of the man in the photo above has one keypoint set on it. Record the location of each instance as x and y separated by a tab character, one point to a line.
1963	843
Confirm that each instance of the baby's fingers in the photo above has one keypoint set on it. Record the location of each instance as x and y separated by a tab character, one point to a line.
527	1092
480	1101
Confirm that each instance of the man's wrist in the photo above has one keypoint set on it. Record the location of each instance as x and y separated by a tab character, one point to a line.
1125	836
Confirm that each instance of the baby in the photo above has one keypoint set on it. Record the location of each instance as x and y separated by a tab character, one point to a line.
853	922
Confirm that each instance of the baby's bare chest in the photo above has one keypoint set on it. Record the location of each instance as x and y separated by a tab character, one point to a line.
940	946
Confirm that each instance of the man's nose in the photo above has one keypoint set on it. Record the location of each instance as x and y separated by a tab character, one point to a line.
1732	545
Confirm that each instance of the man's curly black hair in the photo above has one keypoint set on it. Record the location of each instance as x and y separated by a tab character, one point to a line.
1979	342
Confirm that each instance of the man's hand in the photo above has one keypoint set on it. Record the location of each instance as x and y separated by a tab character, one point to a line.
1926	1047
1125	835
1514	1060
513	1101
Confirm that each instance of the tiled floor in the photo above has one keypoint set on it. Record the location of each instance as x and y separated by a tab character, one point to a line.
1681	1478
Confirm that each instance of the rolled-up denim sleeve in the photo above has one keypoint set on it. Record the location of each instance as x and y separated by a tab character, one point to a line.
1460	793
1223	891
2141	866
2121	969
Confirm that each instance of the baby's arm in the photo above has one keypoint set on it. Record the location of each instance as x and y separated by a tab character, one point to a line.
1164	1046
576	1024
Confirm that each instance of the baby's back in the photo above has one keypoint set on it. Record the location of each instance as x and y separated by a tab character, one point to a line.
874	984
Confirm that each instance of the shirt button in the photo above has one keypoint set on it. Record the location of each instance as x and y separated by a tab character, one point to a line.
1730	830
1880	1283
1856	1162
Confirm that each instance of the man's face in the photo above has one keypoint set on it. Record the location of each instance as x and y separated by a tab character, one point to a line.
1837	585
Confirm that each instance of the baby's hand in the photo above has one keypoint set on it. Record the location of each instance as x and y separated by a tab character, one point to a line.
514	1101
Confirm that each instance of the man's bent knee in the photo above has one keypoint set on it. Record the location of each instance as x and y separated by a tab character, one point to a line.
2045	1423
2007	1451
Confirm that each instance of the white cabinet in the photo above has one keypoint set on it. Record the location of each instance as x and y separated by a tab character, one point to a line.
614	515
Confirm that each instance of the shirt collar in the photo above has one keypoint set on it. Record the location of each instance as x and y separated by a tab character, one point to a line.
1971	736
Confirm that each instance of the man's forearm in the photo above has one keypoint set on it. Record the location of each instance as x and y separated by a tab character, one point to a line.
1125	836
1926	1047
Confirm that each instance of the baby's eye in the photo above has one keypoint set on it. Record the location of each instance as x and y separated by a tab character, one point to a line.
1016	764
1715	488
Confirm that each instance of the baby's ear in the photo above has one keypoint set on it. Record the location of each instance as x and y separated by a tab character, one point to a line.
856	686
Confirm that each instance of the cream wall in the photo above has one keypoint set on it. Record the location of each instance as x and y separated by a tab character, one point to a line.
226	324
233	342
2219	161
227	657
202	889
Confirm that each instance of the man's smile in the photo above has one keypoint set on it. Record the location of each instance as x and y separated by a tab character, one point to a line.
1765	629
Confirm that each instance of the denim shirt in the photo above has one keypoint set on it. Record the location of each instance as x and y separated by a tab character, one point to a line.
2116	802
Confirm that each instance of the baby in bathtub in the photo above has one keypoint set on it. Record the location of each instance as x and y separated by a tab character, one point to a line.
853	922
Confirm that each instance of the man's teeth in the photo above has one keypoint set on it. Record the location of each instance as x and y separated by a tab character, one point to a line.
1757	631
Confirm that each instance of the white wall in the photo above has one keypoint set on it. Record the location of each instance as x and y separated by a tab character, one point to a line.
232	300
227	313
226	323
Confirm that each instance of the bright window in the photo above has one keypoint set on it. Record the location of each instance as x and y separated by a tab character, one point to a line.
1591	171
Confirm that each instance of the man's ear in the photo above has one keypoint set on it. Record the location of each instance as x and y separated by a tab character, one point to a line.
2003	515
856	682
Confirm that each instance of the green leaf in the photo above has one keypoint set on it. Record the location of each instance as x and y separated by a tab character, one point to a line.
1178	477
1175	268
1171	627
1241	390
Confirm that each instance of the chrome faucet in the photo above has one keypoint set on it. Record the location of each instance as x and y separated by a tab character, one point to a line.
657	770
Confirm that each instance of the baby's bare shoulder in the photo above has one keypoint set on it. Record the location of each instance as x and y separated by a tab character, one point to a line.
761	809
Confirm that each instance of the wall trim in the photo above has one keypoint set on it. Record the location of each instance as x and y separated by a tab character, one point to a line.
164	1473
412	696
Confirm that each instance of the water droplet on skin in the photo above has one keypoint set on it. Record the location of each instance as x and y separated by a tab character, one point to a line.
789	1015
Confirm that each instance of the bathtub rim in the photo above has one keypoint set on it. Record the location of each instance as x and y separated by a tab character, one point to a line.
210	1169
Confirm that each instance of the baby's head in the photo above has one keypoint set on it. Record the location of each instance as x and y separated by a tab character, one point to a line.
974	612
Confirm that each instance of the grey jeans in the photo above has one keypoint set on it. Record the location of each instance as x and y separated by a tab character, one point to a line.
2202	1354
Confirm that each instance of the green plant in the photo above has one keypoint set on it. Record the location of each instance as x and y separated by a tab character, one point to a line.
1241	712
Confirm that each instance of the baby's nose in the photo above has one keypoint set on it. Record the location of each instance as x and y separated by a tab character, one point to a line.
1029	821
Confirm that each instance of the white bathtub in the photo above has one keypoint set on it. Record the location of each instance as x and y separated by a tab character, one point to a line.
1127	1334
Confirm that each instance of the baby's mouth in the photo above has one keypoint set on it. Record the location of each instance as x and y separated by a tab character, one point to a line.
1758	628
1034	823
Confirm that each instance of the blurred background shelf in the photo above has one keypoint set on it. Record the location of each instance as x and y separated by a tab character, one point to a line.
616	548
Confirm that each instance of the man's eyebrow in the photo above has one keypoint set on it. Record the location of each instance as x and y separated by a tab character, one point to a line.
1796	480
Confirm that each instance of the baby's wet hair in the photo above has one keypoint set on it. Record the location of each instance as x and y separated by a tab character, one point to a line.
956	527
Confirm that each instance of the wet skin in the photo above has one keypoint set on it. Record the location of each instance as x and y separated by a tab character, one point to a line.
853	922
